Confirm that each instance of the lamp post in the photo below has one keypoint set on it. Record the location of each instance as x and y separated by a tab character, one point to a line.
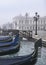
36	17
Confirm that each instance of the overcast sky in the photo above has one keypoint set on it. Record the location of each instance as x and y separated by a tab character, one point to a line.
11	8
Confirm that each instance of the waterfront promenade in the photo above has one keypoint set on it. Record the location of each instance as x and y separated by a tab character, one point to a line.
41	34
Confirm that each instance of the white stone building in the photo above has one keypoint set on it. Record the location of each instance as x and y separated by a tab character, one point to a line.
27	23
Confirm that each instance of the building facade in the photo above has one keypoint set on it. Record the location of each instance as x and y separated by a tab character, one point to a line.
27	23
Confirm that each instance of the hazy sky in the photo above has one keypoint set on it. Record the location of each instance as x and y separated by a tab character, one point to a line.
11	8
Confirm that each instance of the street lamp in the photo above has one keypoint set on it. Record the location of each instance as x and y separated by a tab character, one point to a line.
36	17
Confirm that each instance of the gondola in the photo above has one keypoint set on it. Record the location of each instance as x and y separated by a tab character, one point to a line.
11	42
5	39
10	47
22	60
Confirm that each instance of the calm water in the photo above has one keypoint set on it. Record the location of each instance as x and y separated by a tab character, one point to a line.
29	46
42	60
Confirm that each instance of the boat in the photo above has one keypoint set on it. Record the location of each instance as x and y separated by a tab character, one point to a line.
5	39
23	60
10	47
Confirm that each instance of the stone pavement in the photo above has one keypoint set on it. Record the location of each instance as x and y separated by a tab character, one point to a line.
41	34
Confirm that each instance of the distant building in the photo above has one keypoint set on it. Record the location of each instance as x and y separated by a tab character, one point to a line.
8	26
28	23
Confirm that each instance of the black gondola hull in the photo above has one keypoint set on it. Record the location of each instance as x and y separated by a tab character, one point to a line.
6	39
13	49
22	60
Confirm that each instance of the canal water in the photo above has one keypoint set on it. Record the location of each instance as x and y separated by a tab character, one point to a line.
29	48
42	59
26	48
